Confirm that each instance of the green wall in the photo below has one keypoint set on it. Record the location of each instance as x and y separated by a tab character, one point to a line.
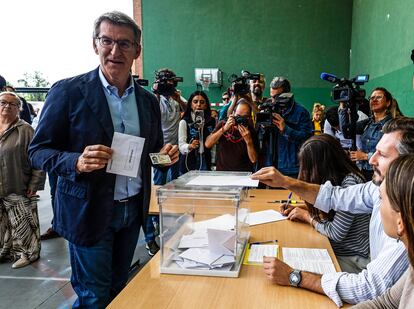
296	38
382	40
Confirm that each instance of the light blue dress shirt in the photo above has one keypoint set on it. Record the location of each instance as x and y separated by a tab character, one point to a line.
389	258
124	114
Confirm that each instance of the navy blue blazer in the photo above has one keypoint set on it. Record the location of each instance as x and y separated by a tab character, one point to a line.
75	115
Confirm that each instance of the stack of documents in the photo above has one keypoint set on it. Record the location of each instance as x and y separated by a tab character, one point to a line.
256	252
313	260
206	249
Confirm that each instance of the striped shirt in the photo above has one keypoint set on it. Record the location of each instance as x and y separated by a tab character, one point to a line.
347	232
388	258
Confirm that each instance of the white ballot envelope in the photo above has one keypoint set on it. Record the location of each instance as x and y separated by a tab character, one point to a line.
221	242
126	156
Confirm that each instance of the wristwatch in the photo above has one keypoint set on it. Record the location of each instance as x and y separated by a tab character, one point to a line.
295	278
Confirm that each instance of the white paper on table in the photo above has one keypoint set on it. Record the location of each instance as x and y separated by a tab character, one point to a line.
312	260
198	239
200	255
221	242
223	222
231	181
126	156
264	216
258	251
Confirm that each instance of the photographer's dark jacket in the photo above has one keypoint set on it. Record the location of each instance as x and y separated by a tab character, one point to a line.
298	128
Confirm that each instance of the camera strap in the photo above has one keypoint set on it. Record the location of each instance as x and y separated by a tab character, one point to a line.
231	137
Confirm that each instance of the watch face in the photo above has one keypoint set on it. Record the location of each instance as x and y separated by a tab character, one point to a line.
295	278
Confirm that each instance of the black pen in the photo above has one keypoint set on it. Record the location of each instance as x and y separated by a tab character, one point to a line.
283	201
264	242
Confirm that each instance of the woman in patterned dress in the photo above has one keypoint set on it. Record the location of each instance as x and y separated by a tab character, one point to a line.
19	221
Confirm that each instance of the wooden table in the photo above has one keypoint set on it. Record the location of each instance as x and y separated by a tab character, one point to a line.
150	289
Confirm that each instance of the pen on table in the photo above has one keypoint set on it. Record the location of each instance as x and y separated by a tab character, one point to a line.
283	201
263	242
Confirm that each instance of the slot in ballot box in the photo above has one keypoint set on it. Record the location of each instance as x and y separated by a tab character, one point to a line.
203	229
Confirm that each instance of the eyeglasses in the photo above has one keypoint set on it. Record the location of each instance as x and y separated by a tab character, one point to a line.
376	98
225	99
5	103
124	45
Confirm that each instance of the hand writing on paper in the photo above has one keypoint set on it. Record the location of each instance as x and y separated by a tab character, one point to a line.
285	209
299	214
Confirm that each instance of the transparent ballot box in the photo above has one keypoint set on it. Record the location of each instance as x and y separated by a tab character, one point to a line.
203	229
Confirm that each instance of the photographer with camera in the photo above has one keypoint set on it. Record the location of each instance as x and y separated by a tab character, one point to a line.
196	125
370	129
283	125
237	140
242	87
171	105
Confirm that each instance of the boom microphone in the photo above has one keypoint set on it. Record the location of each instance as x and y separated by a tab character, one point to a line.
330	78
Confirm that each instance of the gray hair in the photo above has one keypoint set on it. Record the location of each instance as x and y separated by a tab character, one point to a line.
119	19
17	99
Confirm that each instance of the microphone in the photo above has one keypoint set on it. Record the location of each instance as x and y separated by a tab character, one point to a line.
330	78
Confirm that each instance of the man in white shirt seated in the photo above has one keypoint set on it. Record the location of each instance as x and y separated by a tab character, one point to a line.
388	258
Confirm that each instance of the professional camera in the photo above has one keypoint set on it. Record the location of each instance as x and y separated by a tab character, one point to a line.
241	120
270	106
240	83
166	82
347	90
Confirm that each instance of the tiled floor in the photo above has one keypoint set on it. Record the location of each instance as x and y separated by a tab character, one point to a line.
45	283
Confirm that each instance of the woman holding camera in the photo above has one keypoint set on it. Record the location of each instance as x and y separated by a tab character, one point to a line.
237	140
397	216
194	128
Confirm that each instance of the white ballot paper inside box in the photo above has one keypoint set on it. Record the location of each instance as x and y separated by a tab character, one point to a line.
126	156
221	242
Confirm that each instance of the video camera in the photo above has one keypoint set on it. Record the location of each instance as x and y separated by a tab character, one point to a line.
347	90
270	106
240	83
166	81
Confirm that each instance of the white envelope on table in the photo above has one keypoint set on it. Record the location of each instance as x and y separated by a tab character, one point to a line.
221	242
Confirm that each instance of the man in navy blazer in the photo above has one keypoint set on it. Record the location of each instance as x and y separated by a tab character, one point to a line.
99	213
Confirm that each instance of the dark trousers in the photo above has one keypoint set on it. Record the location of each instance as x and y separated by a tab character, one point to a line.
100	272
